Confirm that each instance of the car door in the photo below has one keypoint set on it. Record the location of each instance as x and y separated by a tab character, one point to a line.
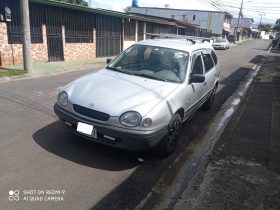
196	89
210	71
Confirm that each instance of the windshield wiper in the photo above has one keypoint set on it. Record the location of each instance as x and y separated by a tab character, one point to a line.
116	69
112	68
151	77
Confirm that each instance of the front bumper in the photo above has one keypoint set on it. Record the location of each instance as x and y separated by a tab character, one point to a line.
127	139
219	46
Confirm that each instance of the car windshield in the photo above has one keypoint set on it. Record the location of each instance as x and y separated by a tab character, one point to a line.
152	62
220	40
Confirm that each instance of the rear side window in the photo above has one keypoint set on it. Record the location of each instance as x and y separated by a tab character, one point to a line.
197	64
208	62
214	56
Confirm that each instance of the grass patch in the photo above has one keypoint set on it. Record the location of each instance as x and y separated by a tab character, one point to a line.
11	72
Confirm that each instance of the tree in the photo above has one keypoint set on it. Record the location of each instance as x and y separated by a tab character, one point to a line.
266	27
277	25
127	9
81	2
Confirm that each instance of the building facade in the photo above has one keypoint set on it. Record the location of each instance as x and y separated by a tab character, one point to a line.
62	31
245	28
218	22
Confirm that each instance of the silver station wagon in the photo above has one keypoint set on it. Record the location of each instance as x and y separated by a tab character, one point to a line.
140	99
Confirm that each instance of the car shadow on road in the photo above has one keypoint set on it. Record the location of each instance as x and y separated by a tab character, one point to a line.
57	139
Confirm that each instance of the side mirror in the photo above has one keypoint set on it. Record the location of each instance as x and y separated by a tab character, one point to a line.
109	60
197	78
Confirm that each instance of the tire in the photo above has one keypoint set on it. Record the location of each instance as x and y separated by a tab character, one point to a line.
169	142
209	103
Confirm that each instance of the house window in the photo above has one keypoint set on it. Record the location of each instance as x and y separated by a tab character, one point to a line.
15	26
129	30
78	27
193	18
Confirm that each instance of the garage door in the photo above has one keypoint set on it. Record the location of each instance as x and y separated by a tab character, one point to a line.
108	35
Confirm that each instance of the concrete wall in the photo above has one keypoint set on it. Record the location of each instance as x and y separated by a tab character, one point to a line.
12	53
127	44
78	51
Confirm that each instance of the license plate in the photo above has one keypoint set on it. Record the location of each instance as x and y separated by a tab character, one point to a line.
87	129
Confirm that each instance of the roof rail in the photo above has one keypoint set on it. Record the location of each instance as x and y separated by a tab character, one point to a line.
192	39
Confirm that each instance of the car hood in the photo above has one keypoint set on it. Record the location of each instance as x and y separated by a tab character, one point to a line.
115	93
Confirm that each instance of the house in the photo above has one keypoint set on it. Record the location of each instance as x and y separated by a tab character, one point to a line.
218	22
245	29
62	31
59	31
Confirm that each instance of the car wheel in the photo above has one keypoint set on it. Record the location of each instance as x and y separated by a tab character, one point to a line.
208	104
169	142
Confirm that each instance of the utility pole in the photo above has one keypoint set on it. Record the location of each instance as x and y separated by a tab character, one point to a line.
26	38
261	14
237	26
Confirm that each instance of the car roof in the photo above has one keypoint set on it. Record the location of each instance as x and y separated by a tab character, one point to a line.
178	44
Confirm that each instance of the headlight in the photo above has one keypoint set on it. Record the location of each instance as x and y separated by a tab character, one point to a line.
130	119
63	98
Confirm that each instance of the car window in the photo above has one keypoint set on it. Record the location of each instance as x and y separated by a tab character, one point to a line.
220	40
197	67
214	56
208	62
153	62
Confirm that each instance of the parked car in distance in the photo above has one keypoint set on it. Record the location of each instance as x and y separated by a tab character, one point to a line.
220	43
141	98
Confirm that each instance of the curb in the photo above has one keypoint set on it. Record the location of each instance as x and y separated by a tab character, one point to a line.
165	196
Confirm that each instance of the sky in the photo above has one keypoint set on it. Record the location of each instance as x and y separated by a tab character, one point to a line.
269	10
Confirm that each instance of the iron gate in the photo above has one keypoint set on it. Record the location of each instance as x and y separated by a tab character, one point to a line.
54	35
108	35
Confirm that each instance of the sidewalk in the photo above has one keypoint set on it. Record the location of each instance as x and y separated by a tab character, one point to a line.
244	170
48	68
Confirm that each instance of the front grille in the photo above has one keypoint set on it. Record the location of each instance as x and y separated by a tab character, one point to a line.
91	113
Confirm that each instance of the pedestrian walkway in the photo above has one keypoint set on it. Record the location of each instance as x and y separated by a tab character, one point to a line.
63	66
244	171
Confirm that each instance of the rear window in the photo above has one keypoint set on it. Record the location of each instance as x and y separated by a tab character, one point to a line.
220	40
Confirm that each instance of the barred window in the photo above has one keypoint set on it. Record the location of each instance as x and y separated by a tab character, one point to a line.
158	28
15	26
129	30
78	27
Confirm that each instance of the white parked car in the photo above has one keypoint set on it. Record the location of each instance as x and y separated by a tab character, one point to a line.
141	98
220	43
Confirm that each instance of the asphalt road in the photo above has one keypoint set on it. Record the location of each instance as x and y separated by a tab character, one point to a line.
37	153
